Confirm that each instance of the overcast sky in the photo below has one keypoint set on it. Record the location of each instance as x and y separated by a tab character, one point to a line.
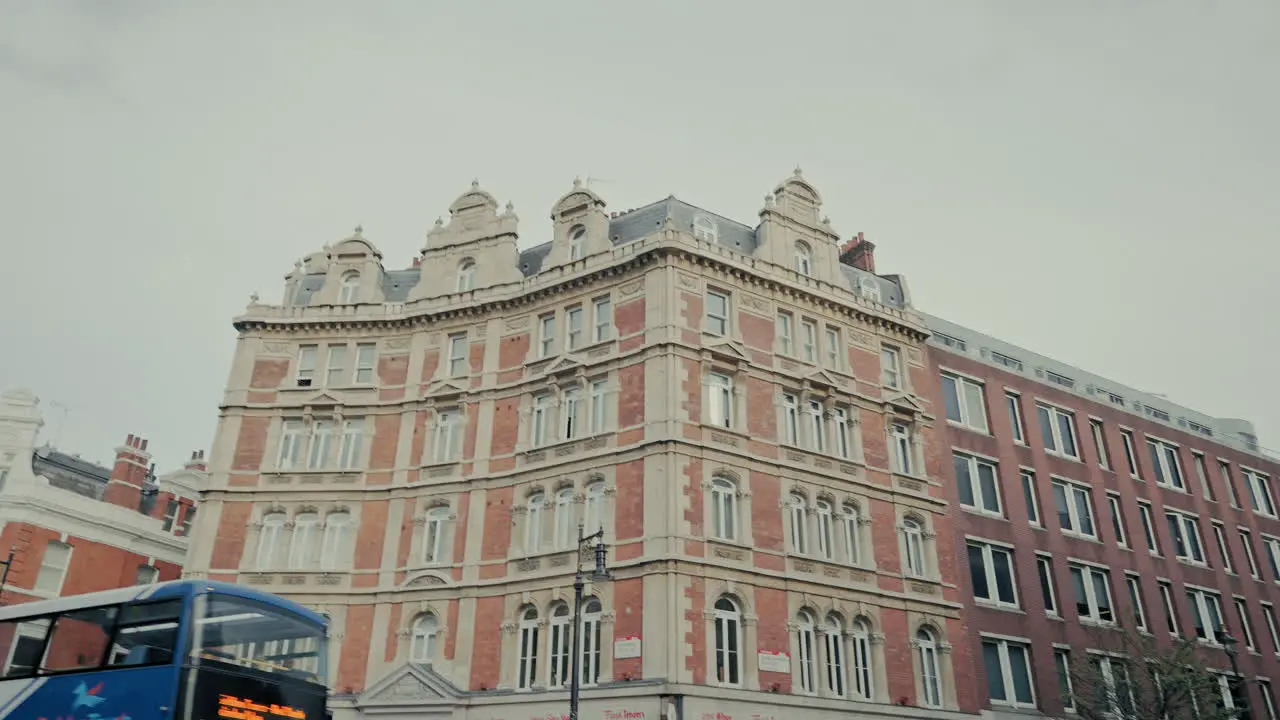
1095	181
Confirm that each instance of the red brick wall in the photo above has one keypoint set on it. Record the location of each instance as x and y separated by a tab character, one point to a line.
232	526
486	652
94	566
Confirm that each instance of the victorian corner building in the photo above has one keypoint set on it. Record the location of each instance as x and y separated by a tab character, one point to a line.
757	421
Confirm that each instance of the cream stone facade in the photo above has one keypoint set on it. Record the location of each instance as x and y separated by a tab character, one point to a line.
741	409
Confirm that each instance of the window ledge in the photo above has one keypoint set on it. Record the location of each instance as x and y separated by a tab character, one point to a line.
1002	607
976	431
984	513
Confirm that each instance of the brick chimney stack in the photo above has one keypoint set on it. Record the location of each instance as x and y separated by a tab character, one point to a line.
860	253
129	474
197	461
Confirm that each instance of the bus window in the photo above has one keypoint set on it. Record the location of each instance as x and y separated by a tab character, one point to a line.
22	642
79	640
147	634
248	634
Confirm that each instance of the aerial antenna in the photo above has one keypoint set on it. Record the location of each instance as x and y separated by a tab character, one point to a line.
57	428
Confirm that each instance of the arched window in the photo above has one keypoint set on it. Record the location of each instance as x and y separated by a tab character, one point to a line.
422	645
269	540
577	242
533	523
799	523
337	532
833	635
862	682
913	547
566	528
724	509
594	511
349	290
527	669
467	275
806	647
930	677
433	536
822	512
561	640
852	547
590	662
804	258
728	645
303	542
704	228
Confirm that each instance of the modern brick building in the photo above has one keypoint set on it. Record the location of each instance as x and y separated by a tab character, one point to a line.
77	527
1082	504
744	410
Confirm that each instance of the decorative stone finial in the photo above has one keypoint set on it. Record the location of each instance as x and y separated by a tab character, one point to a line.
798	172
253	298
439	221
475	183
359	231
511	207
826	220
668	222
577	182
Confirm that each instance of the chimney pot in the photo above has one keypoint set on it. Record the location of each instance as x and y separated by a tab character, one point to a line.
129	441
142	444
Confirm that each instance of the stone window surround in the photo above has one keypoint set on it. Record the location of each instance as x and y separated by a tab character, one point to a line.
556	387
865	539
417	548
308	417
248	559
848	614
549	490
831	400
946	673
930	536
544	601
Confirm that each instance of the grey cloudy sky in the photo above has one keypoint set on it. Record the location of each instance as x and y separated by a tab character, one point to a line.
1093	180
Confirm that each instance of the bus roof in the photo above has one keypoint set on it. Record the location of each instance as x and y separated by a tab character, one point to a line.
171	589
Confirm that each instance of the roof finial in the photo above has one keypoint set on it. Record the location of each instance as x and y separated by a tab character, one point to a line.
359	230
798	171
577	182
475	183
439	221
511	207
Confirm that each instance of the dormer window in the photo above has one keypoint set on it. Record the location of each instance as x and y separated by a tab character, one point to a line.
704	228
467	276
349	291
804	258
577	242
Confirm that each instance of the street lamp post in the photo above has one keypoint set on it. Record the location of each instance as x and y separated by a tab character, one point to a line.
1229	647
4	574
600	572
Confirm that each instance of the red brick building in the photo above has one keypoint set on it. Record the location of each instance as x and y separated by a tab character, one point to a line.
77	527
744	411
1081	504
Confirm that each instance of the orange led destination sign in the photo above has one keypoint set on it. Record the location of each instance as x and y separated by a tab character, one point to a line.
234	708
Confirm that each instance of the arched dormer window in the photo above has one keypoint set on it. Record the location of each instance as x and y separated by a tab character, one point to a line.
803	258
704	228
349	290
577	242
467	275
422	646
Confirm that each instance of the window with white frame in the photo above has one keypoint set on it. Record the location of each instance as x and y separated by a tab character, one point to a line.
1220	537
433	535
467	276
540	421
903	448
817	426
1184	531
1148	527
527	664
53	567
1074	504
424	637
890	368
270	541
1092	590
863	676
350	455
806	638
799	510
533	522
1008	667
1268	699
809	340
978	484
1100	443
547	335
146	575
561	644
1130	454
843	429
1202	474
1013	402
366	359
823	517
803	258
302	542
724	509
930	668
833	639
1246	626
336	541
593	508
717	320
728	642
833	347
790	419
603	316
322	432
305	374
566	527
570	416
1117	520
1166	600
446	446
720	405
1273	626
1048	588
704	228
1224	469
1246	541
577	243
786	334
1116	686
1272	547
964	402
1062	668
1135	599
1058	431
457	355
349	290
913	547
291	441
336	366
1166	465
1206	613
170	515
1261	495
1030	496
991	572
852	543
599	398
590	648
573	328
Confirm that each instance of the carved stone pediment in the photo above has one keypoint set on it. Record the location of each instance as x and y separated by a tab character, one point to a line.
409	684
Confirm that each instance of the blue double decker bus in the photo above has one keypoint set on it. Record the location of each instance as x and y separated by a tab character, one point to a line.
182	650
